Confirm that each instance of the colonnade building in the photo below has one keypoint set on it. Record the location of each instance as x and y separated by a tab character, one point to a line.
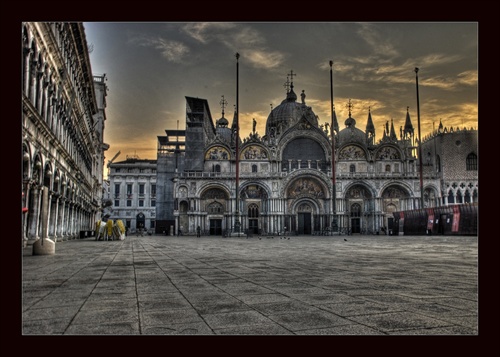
63	116
285	176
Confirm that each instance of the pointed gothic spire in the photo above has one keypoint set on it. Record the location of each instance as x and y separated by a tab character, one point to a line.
408	129
369	124
234	129
393	132
335	122
440	127
370	129
234	125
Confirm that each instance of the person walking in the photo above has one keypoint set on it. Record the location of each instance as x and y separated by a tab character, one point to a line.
198	231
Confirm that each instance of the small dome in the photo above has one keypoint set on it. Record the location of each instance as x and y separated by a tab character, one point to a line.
350	122
222	122
351	134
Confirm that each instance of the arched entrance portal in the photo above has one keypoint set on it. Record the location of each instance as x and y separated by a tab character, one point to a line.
355	218
304	213
215	213
140	221
360	208
253	218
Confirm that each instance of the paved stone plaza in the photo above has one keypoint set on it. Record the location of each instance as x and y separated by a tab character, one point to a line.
347	285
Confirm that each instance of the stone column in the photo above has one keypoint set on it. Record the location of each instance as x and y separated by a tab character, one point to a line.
53	220
60	218
49	209
33	220
44	246
25	216
67	223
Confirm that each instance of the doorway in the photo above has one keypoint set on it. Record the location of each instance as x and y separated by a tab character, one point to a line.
304	223
253	218
216	227
390	224
253	226
140	221
355	225
355	218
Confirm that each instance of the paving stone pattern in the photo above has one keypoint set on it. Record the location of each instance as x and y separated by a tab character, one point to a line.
158	285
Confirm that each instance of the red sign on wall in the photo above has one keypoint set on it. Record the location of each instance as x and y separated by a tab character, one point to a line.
430	218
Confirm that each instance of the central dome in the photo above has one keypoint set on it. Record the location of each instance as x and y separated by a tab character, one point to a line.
287	114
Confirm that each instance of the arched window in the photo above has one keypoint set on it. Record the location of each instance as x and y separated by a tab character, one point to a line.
253	211
438	163
215	208
471	162
387	168
459	197
356	210
254	168
451	198
352	168
184	206
216	168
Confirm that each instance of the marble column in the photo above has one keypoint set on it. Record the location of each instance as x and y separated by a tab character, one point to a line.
60	218
53	220
35	215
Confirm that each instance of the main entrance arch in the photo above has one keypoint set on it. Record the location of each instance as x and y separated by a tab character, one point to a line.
307	205
360	206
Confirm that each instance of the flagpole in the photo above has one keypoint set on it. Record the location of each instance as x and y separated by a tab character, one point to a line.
334	191
237	223
419	145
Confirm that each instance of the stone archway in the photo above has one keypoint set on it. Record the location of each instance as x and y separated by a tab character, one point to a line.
394	198
360	206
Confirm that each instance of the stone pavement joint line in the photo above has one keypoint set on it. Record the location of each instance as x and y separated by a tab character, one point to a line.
159	285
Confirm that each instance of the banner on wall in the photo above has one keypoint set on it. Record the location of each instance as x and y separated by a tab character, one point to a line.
456	219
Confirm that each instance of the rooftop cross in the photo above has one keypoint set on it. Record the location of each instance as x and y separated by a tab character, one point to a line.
350	106
291	78
223	104
287	85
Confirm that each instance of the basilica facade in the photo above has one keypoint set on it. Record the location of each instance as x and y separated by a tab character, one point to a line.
285	183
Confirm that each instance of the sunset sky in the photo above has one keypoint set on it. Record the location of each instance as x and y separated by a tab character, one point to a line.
152	66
